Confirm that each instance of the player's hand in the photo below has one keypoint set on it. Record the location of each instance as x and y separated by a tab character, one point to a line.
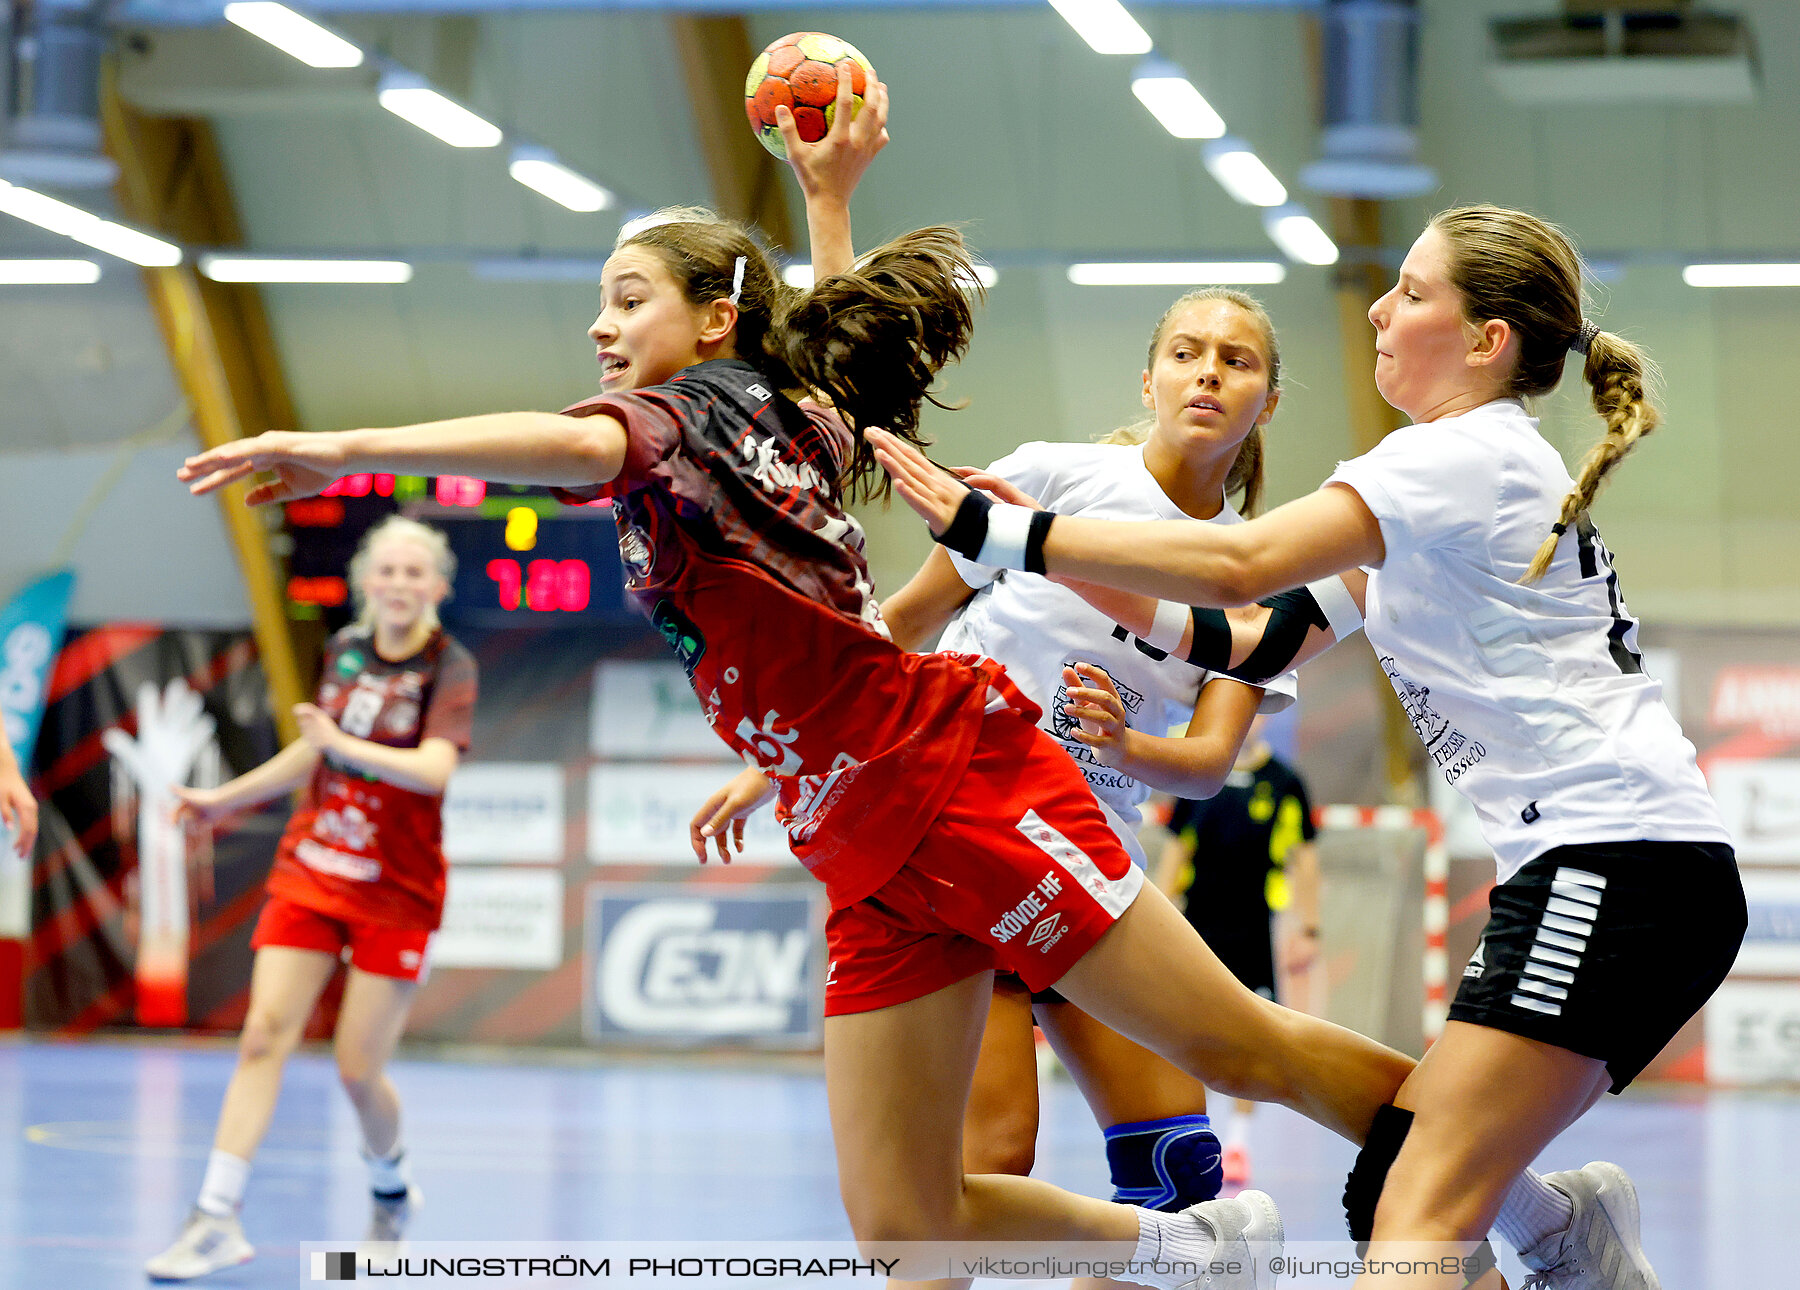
1002	490
1098	710
831	168
721	818
922	484
303	464
19	810
1298	951
199	807
316	728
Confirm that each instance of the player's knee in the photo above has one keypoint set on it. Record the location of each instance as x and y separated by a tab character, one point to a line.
266	1035
1368	1176
1165	1164
1001	1142
357	1073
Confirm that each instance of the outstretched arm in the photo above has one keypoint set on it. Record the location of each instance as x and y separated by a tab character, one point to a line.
503	447
1215	565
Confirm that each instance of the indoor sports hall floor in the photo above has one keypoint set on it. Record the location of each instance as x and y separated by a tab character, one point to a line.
104	1145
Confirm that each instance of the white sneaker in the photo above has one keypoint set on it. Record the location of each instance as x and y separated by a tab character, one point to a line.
385	1240
390	1215
1248	1231
208	1243
1600	1249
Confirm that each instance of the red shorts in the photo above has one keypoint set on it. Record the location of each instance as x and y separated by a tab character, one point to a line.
383	951
1020	870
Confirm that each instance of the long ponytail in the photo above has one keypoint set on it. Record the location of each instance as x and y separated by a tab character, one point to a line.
1618	375
1512	265
872	340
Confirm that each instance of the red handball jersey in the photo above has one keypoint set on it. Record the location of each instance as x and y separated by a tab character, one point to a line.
737	549
360	849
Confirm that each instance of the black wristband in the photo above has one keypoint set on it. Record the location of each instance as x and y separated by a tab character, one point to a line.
1034	541
968	527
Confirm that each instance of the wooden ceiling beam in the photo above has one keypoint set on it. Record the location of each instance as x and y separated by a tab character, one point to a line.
172	180
748	183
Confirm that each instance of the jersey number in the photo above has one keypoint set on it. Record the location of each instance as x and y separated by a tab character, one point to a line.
1621	636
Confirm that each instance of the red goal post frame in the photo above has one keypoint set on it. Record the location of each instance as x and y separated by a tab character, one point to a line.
1436	966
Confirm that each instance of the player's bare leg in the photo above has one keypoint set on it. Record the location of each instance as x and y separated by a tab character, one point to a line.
1151	978
285	985
1484	1104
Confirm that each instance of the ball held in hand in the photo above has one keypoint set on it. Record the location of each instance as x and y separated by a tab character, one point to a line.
800	71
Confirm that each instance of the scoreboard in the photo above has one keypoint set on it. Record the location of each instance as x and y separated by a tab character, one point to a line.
522	557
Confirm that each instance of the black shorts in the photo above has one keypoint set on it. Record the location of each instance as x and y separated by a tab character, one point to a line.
1608	949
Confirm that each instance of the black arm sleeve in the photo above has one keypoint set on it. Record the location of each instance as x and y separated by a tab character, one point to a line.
1292	614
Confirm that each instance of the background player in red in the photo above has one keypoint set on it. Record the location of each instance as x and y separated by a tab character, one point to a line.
950	833
1236	860
360	869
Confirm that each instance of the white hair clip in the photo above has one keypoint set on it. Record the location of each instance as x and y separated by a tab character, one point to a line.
737	278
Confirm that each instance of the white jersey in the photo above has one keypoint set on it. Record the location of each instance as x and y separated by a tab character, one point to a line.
1033	627
1532	701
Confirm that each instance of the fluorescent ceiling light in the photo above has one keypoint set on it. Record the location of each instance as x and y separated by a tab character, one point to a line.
293	35
1173	100
87	228
1105	25
1299	236
1241	173
1184	274
800	276
1741	275
59	273
541	172
244	268
413	101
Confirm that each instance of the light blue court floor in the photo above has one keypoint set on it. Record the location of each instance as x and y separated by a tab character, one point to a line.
104	1144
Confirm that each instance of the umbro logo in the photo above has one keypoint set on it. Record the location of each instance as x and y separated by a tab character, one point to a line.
1044	930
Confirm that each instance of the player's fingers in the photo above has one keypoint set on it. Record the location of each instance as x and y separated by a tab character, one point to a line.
737	835
841	122
790	131
213	481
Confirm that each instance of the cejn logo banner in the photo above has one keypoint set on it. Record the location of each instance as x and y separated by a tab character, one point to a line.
672	964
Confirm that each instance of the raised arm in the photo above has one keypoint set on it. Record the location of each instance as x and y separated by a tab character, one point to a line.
829	170
503	447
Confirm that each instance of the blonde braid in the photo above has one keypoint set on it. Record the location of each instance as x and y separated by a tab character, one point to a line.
1619	375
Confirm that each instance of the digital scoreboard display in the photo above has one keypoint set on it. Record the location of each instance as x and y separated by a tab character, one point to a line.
522	557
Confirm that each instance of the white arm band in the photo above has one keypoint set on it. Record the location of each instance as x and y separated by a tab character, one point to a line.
1338	606
1008	527
1170	625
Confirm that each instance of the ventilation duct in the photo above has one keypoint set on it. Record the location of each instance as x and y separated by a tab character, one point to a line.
1370	140
52	130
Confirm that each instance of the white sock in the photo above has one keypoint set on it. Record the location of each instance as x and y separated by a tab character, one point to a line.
222	1190
1533	1210
388	1176
1177	1239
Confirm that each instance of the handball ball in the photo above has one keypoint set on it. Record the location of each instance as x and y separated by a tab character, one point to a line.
801	71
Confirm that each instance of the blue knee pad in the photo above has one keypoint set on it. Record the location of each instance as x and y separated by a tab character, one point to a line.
1164	1164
